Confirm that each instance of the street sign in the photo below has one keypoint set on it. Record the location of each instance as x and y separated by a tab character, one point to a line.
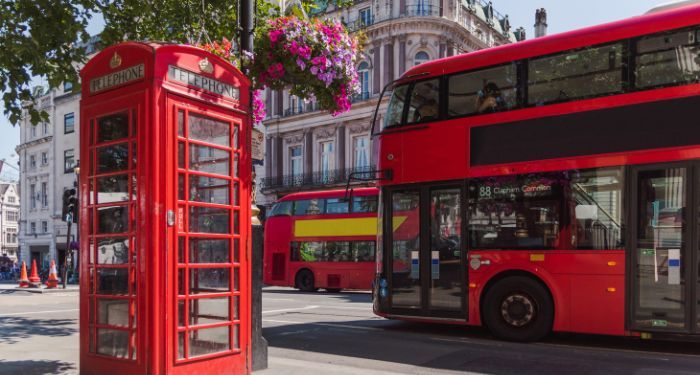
258	147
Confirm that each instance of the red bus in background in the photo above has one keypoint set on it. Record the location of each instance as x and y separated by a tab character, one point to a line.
322	239
554	184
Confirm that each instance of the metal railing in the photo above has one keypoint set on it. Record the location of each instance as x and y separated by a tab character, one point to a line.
421	10
312	180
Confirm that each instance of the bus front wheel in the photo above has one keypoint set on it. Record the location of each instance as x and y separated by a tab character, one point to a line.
305	281
518	308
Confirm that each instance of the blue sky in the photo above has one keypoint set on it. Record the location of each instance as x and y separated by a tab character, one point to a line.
562	15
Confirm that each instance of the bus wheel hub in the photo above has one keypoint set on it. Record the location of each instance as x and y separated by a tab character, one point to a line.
518	310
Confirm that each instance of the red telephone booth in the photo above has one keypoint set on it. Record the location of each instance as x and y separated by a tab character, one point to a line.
165	213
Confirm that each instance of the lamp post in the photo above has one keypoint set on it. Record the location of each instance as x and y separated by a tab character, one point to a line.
74	257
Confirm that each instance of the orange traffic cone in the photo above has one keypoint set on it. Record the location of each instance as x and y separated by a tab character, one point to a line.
52	282
34	280
23	280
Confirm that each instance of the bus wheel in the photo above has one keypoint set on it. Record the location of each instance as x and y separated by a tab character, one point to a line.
333	290
518	308
305	281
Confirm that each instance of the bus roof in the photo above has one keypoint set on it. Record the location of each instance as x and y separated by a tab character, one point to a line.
329	194
663	20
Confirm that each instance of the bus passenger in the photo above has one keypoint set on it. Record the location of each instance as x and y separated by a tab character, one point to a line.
489	99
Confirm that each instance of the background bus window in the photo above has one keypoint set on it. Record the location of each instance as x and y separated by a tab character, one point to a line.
596	199
668	59
282	209
336	206
364	204
309	207
424	105
484	91
515	212
333	251
394	113
589	72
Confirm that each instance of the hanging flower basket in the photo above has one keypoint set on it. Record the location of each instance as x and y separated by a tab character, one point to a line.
314	59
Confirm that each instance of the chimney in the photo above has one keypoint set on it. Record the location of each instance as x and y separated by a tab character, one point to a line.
540	22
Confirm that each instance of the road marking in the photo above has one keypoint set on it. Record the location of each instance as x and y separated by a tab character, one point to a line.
279	299
38	312
281	321
295	309
368	308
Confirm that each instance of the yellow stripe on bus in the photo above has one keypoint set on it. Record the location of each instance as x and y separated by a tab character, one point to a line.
365	226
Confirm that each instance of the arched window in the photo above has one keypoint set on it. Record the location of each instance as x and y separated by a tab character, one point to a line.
363	74
421	57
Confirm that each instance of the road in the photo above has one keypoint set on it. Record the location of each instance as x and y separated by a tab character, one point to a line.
324	333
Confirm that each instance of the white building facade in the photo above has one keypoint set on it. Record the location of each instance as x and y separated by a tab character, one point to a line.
9	220
307	149
48	154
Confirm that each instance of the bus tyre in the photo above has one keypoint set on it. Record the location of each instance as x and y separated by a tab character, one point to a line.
518	308
305	281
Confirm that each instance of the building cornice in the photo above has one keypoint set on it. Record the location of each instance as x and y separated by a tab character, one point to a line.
34	142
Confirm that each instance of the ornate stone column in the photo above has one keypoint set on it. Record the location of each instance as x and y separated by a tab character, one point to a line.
376	67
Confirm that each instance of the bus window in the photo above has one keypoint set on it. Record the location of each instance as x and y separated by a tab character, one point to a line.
281	209
484	91
585	73
336	206
364	204
424	105
394	115
516	212
668	59
597	217
309	207
362	251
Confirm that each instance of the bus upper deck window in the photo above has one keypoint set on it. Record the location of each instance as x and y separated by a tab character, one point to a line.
281	209
425	102
394	115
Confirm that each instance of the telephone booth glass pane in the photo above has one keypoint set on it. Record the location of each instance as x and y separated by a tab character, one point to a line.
112	276
207	277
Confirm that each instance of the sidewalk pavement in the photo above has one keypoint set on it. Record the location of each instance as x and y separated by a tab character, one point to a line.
7	286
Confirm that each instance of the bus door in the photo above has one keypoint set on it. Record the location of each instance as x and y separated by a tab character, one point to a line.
426	263
663	248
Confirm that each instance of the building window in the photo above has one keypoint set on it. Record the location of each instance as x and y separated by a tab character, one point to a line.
45	127
68	161
32	161
363	75
44	195
32	227
295	161
44	227
360	152
44	158
421	57
11	199
33	127
366	17
327	160
69	123
11	215
32	195
67	87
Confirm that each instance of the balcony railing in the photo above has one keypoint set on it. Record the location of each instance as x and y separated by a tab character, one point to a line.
422	10
312	180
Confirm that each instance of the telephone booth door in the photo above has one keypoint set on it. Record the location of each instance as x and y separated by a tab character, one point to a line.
110	269
206	268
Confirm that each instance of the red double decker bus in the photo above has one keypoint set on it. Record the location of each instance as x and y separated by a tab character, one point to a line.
555	184
322	239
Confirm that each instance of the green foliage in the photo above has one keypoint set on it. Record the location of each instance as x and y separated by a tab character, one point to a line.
39	38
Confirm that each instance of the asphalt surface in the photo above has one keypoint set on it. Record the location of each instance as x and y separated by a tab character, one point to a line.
308	331
324	333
